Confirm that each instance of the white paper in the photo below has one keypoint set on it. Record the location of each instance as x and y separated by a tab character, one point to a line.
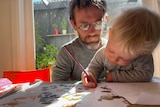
138	93
49	95
103	97
148	99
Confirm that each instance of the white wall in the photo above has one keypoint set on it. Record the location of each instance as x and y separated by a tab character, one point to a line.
5	38
16	35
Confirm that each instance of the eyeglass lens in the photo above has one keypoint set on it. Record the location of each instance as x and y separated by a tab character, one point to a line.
97	26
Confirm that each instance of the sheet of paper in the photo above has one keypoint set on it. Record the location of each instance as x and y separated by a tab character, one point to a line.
105	96
148	99
49	95
138	93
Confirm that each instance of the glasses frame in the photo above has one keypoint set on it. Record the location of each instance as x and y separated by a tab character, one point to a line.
97	25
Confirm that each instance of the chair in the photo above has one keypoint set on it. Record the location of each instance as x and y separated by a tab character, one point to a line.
27	76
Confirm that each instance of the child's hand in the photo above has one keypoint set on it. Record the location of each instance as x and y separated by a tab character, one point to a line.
87	83
108	77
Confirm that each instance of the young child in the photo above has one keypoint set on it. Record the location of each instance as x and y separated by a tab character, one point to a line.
127	56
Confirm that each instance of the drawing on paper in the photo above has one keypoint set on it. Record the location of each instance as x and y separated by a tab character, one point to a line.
46	94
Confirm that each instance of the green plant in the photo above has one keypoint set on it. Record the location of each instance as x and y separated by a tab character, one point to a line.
55	26
38	38
45	53
47	57
64	24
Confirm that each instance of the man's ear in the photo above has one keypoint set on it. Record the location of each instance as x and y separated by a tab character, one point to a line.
73	24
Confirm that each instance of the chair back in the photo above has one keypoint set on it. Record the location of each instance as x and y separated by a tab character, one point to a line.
27	76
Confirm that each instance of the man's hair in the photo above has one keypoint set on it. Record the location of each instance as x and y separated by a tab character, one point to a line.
137	30
101	4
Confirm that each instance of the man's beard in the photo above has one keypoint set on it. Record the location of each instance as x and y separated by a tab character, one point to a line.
94	45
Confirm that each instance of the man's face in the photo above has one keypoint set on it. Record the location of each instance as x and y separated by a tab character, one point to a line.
87	16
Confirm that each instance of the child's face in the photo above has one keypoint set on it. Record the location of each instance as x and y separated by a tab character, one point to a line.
115	55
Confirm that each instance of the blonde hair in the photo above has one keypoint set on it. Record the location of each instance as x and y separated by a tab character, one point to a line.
136	30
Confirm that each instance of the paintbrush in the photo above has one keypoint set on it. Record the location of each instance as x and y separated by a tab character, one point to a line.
78	64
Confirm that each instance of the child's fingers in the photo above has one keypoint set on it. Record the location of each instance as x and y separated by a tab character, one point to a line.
90	84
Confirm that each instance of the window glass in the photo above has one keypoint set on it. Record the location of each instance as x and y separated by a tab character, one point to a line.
114	7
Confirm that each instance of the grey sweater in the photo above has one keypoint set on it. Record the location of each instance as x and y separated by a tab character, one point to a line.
140	70
65	66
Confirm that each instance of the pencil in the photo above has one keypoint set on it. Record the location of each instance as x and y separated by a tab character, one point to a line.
78	64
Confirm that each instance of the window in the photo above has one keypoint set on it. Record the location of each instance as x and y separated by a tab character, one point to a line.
52	29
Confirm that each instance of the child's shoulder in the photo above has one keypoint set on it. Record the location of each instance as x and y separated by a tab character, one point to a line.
100	51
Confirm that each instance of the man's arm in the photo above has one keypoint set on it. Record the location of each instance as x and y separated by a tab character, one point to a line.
62	70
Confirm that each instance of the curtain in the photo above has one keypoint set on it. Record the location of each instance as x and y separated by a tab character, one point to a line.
155	4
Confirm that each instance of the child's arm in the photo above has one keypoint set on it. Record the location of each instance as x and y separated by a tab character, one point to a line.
94	69
96	66
109	77
141	70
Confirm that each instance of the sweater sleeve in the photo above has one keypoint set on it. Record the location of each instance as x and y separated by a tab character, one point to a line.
96	66
141	70
62	70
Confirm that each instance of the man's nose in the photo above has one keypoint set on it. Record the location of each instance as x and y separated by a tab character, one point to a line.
92	29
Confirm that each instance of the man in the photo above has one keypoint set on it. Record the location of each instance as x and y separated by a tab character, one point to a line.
86	19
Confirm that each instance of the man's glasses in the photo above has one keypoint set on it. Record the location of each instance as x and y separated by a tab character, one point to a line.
97	26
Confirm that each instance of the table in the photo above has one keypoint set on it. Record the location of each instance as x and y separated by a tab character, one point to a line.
107	94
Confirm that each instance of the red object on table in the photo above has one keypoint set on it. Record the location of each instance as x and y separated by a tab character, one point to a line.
28	75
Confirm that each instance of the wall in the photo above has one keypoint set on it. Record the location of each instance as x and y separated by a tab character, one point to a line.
46	17
5	32
16	32
60	40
